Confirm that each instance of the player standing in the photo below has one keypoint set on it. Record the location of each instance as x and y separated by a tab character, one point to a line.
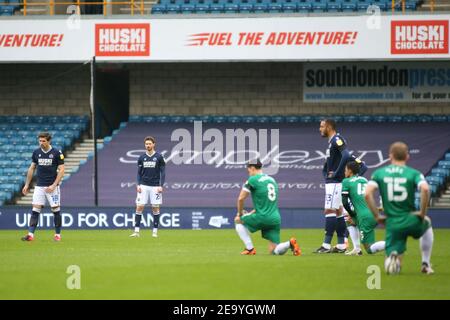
265	216
151	176
397	184
353	192
50	170
333	172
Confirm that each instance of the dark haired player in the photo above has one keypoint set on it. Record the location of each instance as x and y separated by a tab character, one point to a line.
265	217
151	176
49	163
333	172
353	192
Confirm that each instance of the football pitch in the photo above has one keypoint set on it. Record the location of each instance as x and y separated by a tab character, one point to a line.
205	264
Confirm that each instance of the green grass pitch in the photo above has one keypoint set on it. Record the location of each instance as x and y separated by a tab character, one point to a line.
188	264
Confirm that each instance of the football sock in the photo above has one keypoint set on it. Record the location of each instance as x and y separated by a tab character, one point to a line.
244	234
137	221
57	221
341	226
34	220
155	221
377	247
330	228
426	245
281	248
354	235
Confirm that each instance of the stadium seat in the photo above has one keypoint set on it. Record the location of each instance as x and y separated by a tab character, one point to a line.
216	7
263	119
334	5
304	6
277	119
249	119
245	7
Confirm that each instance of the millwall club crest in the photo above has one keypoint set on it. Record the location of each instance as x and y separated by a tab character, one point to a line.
50	156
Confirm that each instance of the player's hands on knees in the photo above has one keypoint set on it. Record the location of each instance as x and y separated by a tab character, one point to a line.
50	189
159	189
237	219
138	189
25	190
381	219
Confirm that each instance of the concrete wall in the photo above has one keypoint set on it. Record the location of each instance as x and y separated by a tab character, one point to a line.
179	88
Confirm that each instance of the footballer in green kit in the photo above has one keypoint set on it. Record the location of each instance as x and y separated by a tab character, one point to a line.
397	184
265	217
353	192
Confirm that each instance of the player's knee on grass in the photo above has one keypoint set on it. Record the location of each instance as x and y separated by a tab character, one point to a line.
272	247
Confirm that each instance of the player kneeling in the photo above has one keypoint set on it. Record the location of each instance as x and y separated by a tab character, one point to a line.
265	217
353	187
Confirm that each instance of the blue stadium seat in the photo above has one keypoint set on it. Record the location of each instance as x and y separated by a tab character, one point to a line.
202	8
245	7
409	118
319	6
188	8
217	8
334	5
447	156
289	7
439	118
292	119
263	119
275	7
440	172
444	164
260	7
234	119
349	6
177	119
277	119
219	119
249	119
149	119
304	6
231	8
135	118
159	9
435	180
424	118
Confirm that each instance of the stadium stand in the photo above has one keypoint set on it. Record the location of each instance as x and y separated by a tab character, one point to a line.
274	6
18	140
9	7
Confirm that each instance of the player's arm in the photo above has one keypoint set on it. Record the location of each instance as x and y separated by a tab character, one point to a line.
362	168
30	173
424	188
345	155
162	174
58	179
347	204
241	200
370	200
139	175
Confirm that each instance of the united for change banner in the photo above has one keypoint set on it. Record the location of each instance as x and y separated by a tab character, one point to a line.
377	82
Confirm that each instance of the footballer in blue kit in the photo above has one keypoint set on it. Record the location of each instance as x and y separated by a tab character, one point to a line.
151	175
334	172
49	164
